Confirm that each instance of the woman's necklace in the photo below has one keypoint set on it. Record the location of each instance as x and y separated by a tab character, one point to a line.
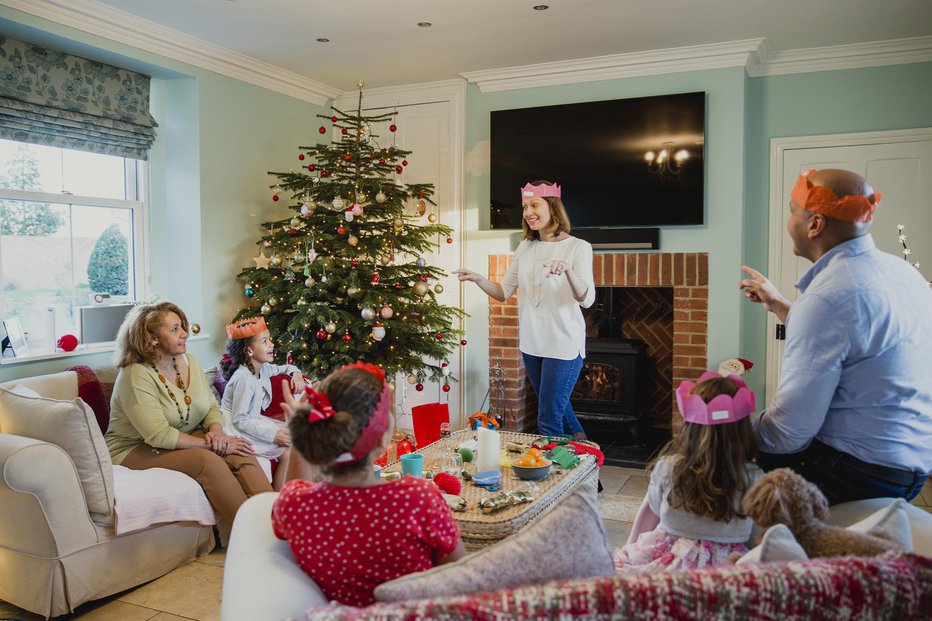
179	384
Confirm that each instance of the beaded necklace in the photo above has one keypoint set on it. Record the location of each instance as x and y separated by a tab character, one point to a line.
179	384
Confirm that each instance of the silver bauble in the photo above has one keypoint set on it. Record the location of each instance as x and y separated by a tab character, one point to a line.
368	313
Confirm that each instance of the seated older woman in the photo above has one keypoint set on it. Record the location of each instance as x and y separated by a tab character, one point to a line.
163	414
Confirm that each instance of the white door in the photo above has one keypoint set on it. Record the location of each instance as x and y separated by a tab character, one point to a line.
897	164
428	130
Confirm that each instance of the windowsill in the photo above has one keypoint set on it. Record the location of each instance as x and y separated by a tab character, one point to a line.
82	350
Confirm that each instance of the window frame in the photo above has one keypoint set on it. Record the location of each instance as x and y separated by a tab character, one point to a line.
136	175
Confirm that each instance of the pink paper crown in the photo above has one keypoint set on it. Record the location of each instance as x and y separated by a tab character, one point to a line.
540	191
720	410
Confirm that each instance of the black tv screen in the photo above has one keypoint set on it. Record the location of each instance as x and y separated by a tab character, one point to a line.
597	152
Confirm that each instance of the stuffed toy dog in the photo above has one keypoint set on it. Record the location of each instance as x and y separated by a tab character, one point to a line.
784	497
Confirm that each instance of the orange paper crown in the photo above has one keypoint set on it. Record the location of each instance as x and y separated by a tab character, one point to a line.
246	328
823	200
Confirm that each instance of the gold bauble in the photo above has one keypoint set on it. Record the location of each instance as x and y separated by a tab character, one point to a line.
360	197
438	288
273	301
398	223
295	222
432	217
195	328
309	282
351	290
265	309
420	288
380	197
330	328
421	206
301	302
352	240
412	378
385	259
275	259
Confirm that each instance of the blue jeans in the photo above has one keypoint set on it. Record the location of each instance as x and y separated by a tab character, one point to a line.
843	477
553	382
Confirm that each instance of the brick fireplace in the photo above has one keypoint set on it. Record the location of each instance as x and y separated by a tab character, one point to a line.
685	274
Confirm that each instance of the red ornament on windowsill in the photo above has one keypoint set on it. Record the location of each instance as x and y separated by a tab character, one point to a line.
68	342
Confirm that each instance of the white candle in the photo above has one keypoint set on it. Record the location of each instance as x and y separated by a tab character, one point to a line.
489	457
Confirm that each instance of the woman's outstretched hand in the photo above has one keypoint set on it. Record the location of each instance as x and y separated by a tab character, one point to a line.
465	274
556	267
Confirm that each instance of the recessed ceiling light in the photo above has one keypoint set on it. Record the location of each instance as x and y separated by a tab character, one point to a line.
323	40
540	7
424	24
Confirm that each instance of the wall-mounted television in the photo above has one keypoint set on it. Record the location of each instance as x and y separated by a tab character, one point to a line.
597	152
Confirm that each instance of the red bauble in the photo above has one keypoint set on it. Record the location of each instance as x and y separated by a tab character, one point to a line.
381	160
324	174
392	127
463	342
448	483
439	336
322	129
348	157
347	338
293	232
424	277
301	156
275	197
419	387
311	167
67	342
341	230
398	169
446	388
344	131
404	447
334	119
404	162
449	240
397	286
321	335
375	277
371	156
354	262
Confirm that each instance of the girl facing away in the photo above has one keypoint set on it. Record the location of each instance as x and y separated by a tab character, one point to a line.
691	516
248	368
353	532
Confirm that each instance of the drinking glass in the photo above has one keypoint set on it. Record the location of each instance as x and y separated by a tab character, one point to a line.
452	463
444	430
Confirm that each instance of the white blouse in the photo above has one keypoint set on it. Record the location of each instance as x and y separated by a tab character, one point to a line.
550	320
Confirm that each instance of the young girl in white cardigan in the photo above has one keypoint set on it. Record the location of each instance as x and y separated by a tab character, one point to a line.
248	368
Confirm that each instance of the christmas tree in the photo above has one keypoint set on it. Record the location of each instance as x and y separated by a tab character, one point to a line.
344	279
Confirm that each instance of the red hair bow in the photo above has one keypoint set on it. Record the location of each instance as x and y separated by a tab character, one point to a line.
370	368
320	405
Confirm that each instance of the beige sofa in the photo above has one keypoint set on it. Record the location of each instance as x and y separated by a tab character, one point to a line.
58	542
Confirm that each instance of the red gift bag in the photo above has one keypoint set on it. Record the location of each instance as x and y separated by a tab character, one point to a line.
275	407
427	419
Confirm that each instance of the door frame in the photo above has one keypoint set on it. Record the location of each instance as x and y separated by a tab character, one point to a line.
778	148
452	93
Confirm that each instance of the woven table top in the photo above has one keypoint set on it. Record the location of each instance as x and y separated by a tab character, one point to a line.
478	528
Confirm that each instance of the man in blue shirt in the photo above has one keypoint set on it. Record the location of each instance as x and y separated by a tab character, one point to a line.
853	409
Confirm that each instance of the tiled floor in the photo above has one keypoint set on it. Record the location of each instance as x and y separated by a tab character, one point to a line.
193	591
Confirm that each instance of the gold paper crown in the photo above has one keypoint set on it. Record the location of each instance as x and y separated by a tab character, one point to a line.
246	328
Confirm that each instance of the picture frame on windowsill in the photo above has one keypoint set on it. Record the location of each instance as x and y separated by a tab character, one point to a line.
14	341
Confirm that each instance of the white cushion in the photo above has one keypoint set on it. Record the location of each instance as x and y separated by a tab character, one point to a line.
567	542
157	496
891	523
920	521
778	544
70	425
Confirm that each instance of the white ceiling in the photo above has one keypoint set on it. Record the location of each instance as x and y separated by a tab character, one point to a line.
378	40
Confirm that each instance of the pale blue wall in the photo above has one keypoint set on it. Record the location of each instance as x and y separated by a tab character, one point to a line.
209	190
810	104
720	236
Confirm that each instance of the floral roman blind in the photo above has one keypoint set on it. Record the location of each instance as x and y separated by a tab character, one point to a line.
56	99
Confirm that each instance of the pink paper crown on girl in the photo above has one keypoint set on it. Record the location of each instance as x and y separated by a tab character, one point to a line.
540	191
720	410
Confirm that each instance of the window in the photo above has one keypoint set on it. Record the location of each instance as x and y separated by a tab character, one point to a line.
71	225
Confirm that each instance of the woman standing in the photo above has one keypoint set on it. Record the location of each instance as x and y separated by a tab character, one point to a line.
163	415
554	272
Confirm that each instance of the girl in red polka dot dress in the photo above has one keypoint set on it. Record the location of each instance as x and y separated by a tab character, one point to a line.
353	531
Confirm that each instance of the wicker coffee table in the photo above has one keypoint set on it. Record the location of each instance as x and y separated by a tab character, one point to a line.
480	529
